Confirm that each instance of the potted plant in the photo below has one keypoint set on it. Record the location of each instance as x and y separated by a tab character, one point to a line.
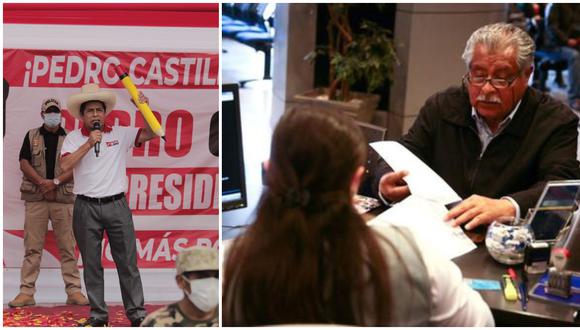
367	56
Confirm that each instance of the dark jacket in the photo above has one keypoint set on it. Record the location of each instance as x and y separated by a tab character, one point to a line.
562	23
538	145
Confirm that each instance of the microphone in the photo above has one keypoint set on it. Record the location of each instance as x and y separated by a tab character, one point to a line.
97	127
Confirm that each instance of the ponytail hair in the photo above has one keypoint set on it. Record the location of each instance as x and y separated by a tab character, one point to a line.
309	257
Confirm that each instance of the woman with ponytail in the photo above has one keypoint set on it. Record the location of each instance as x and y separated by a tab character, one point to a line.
310	258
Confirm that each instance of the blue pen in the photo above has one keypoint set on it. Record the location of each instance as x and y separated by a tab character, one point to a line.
524	295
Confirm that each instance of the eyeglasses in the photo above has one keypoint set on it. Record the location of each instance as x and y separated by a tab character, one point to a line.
480	81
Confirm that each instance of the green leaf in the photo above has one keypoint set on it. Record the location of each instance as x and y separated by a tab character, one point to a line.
370	57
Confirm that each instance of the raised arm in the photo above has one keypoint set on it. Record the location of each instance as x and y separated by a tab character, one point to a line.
146	134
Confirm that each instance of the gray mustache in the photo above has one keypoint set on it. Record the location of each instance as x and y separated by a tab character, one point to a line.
491	99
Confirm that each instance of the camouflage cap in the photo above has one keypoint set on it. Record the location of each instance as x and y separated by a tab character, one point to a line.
196	258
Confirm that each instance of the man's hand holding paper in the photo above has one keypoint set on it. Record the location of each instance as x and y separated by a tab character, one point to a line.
420	180
423	198
392	186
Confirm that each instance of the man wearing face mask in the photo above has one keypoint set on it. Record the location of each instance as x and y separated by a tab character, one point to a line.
47	194
197	276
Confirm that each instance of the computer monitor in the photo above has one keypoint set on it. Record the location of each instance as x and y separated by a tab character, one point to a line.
554	209
372	133
233	173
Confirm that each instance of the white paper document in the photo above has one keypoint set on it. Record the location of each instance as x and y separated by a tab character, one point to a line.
422	180
423	212
425	220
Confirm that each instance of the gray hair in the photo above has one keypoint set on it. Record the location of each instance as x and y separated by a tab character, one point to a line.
500	36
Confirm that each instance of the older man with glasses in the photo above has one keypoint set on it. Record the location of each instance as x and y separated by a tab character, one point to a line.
494	140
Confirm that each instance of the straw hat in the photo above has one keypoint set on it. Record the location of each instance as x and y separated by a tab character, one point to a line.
90	92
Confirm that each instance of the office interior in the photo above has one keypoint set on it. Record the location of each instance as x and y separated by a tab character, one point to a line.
429	39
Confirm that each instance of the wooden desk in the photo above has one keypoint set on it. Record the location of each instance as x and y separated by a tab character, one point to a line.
479	264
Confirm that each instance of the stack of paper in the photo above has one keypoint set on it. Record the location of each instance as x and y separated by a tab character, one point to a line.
424	210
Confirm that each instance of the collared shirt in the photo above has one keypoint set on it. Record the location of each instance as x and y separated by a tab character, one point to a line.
486	136
484	132
50	152
104	175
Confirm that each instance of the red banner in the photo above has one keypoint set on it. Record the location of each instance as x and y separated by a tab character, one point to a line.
172	183
121	14
175	191
155	248
152	70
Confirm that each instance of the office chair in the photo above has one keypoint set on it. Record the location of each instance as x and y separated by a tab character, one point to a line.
254	28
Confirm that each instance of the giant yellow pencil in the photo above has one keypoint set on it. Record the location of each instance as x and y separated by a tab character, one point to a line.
143	107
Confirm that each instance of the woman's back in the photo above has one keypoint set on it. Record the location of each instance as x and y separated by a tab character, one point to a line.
408	276
440	296
309	257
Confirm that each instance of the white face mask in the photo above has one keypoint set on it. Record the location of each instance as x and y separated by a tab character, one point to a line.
52	119
204	293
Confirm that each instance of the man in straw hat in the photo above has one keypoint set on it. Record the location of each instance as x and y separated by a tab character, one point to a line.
197	277
47	194
100	184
